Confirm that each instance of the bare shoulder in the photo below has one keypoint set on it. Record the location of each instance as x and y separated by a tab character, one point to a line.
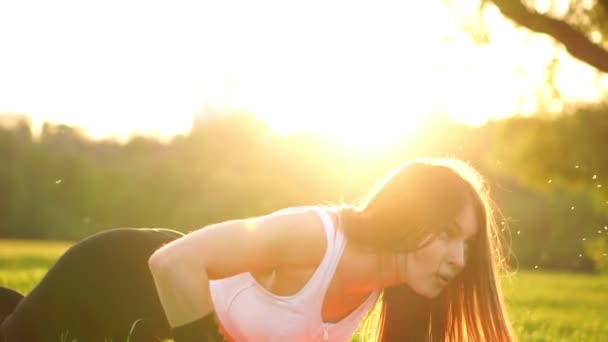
298	235
289	237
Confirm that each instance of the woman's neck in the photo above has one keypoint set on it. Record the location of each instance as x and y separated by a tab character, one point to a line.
362	271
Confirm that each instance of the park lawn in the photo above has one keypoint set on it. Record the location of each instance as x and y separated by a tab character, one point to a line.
544	306
23	263
548	306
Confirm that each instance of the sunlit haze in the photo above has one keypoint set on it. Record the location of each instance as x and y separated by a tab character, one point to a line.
363	72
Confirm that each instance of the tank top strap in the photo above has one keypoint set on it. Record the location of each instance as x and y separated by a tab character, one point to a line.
316	287
335	246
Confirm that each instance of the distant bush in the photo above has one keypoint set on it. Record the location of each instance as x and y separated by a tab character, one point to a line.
596	249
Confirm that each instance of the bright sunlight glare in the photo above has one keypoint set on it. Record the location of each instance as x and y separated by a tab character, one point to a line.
364	73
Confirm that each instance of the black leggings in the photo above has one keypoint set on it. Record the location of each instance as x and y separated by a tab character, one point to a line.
99	290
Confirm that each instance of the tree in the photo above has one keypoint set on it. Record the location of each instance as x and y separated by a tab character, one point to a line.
580	26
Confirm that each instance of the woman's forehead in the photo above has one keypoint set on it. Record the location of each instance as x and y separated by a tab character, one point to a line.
466	221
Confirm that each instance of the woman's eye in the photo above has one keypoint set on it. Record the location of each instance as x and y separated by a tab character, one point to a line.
450	232
444	235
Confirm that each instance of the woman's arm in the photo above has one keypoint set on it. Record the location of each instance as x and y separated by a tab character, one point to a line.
182	269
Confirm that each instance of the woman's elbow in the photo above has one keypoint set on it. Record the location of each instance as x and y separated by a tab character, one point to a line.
159	262
169	260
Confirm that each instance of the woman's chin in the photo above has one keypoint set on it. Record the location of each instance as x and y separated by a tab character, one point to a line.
429	290
432	295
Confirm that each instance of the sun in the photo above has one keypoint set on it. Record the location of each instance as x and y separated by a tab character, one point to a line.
358	115
355	128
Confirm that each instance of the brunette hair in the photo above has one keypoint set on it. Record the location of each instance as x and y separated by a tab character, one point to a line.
416	201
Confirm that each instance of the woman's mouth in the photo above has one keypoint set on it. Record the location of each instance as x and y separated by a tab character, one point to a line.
443	279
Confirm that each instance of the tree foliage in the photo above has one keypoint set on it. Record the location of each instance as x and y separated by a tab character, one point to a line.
60	185
563	159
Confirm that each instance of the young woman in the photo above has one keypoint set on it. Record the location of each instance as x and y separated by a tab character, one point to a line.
424	242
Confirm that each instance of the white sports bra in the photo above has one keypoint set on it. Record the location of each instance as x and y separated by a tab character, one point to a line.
248	312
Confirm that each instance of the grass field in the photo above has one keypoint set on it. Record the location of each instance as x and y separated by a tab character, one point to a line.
544	306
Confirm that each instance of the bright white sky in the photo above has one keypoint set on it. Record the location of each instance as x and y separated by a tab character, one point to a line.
119	66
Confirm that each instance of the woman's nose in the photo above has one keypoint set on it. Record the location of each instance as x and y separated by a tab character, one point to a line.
457	254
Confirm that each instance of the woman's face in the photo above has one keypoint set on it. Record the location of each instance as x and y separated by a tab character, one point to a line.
430	268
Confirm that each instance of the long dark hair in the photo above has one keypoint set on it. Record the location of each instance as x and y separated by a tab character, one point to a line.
412	203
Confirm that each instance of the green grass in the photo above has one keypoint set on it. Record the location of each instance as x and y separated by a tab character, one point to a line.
544	306
24	263
558	306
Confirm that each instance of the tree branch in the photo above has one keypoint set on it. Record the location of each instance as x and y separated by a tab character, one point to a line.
604	4
577	44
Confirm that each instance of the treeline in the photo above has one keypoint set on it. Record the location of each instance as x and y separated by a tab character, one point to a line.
61	185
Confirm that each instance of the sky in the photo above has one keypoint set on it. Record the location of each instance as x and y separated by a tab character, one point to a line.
118	67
